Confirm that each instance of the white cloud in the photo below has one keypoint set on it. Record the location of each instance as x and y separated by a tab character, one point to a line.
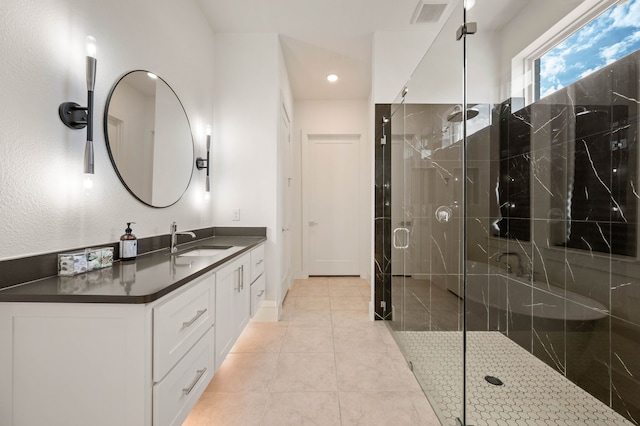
626	15
585	38
552	65
614	52
610	53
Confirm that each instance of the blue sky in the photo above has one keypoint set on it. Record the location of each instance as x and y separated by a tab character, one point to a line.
611	36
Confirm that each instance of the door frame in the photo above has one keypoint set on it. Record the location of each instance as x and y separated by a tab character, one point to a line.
361	135
285	178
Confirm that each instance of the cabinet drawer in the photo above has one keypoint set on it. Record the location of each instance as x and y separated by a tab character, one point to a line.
179	323
175	396
257	262
257	294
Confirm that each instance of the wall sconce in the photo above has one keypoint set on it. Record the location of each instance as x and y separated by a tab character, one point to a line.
78	117
202	163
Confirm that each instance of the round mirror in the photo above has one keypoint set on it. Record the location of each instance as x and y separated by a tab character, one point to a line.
149	138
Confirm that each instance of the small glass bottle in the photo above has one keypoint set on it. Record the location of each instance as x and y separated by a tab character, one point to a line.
128	244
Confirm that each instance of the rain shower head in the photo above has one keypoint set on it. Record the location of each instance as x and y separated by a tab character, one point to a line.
456	114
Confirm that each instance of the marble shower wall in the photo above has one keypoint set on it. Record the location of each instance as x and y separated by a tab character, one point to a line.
564	173
382	219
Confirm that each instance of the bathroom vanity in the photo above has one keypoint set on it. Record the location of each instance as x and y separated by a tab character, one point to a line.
135	344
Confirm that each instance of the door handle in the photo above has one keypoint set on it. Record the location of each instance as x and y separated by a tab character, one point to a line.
312	223
395	238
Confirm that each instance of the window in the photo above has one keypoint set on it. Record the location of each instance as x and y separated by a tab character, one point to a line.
607	38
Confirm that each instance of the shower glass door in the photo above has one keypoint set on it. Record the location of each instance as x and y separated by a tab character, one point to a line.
426	222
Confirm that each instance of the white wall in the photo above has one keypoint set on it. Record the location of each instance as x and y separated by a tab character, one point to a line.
250	80
395	56
44	207
340	117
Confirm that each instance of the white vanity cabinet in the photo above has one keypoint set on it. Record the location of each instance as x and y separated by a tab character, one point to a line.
105	364
125	364
233	304
183	351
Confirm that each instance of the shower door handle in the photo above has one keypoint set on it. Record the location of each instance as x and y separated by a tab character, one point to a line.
395	238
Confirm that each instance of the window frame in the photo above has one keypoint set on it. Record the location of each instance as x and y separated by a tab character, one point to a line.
525	65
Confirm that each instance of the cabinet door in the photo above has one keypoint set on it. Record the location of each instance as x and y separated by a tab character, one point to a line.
227	286
67	364
242	302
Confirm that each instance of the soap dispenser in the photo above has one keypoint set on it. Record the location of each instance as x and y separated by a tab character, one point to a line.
128	244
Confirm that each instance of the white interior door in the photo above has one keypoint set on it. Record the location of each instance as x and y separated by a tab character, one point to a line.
333	204
285	202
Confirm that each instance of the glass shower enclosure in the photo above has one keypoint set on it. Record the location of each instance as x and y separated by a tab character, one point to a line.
507	211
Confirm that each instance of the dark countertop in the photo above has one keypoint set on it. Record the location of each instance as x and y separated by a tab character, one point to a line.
143	280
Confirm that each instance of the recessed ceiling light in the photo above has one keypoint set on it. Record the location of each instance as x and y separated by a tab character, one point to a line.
332	78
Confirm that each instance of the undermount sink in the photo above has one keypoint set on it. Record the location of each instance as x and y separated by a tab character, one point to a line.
204	251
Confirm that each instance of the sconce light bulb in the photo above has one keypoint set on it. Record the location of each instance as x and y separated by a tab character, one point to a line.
207	195
88	181
91	46
469	4
208	130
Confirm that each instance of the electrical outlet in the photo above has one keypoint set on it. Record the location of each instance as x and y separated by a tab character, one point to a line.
236	214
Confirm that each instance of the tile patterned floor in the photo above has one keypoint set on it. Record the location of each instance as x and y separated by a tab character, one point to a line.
324	363
533	393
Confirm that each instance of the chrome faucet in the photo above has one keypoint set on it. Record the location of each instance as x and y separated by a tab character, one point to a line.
520	271
173	231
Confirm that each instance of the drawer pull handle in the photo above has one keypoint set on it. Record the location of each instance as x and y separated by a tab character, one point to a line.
260	294
259	261
199	374
194	319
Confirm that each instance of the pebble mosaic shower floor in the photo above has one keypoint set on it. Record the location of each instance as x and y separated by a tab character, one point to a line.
533	393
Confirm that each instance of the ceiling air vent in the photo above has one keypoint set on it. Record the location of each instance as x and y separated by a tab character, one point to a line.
428	13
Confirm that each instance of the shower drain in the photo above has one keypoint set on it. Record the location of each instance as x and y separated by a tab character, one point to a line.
493	380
